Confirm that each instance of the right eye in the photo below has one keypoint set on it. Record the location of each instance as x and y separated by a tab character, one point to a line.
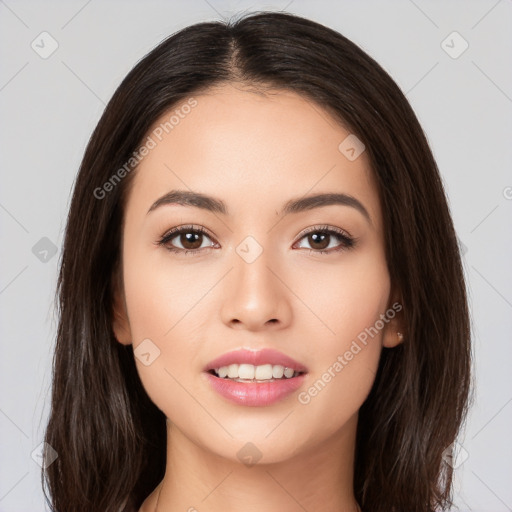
191	239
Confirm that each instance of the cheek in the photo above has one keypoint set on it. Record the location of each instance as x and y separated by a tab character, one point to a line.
341	299
345	335
164	303
162	295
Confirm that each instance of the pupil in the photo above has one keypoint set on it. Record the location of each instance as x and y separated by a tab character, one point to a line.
192	239
316	236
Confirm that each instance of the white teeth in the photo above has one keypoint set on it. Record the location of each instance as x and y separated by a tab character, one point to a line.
246	371
233	371
250	372
277	371
263	372
288	372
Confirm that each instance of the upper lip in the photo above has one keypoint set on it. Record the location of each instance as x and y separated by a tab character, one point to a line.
256	358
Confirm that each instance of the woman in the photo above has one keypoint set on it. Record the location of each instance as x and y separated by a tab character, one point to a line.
262	304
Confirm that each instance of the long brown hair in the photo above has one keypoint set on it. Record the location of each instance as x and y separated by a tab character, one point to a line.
109	436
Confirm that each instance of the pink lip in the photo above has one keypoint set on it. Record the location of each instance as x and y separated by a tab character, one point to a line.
256	358
256	394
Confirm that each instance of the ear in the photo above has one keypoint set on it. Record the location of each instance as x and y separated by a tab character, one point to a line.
394	331
120	323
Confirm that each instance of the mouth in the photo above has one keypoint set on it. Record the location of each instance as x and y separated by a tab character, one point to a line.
251	373
255	378
264	365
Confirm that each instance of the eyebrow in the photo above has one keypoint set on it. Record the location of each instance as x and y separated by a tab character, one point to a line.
212	204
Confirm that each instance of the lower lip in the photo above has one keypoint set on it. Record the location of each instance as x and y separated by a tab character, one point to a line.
255	394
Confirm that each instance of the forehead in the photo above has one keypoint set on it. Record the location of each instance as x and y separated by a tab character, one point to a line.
253	150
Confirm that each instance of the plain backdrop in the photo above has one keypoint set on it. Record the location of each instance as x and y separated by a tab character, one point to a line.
460	86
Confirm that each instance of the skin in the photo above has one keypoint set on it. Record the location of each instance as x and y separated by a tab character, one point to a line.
255	152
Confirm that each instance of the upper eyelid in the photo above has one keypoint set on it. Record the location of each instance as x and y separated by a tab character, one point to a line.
320	228
187	227
306	231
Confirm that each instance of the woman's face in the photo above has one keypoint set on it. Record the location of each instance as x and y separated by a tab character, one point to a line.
256	278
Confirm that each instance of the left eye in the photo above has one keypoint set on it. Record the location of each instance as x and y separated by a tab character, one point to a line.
321	240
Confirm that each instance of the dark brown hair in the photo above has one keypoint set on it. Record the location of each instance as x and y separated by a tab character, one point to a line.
109	436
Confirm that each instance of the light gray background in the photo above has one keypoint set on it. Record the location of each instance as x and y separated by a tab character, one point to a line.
50	106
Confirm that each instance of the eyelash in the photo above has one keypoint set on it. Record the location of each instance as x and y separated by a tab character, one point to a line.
347	241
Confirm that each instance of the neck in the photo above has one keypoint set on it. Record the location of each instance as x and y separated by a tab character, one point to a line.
318	478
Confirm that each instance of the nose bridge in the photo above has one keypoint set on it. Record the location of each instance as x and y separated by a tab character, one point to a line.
254	294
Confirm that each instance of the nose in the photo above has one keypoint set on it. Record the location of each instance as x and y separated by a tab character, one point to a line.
256	295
